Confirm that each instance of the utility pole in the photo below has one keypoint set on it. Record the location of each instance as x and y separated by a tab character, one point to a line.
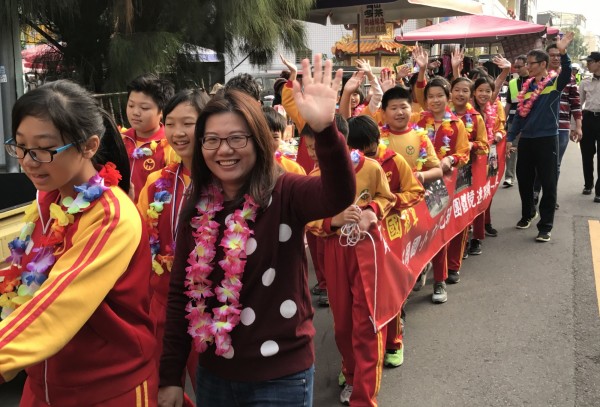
11	76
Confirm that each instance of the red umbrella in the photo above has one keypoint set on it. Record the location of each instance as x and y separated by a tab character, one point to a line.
41	56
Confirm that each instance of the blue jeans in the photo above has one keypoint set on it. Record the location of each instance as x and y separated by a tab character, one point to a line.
295	390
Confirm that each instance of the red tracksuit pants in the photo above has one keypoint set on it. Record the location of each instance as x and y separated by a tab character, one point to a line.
449	256
360	346
144	395
315	246
479	223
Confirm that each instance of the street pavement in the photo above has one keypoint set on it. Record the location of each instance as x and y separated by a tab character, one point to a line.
522	328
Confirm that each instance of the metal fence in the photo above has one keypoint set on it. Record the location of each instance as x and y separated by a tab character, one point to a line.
115	104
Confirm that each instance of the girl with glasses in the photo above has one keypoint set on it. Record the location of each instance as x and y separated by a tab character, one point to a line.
75	298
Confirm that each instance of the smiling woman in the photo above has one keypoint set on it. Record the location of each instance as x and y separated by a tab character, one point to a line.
239	285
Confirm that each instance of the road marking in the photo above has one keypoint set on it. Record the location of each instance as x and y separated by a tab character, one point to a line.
594	226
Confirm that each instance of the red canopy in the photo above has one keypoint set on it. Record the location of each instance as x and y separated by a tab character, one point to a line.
474	29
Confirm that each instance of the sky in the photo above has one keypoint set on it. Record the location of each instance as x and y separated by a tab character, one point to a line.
589	8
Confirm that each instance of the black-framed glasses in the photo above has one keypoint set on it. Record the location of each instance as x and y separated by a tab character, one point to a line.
235	141
41	155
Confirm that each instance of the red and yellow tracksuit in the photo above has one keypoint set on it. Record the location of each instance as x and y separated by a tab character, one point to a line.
499	127
166	225
290	165
361	348
409	192
162	155
407	143
86	338
459	151
316	247
479	146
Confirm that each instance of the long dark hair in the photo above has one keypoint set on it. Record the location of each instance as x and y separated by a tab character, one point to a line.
77	116
265	172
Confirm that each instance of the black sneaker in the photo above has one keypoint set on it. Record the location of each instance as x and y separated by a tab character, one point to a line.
508	182
490	231
587	191
556	206
422	279
453	277
323	300
466	251
475	248
597	198
525	223
317	291
543	237
440	295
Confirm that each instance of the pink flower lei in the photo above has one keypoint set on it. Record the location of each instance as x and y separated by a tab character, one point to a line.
490	112
524	107
206	327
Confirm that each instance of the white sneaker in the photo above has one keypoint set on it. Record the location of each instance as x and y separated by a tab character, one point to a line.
346	394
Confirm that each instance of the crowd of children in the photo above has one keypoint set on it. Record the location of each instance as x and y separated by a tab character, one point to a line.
195	279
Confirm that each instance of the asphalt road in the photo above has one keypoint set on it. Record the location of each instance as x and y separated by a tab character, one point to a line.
522	328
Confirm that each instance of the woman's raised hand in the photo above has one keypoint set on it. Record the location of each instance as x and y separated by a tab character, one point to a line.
318	101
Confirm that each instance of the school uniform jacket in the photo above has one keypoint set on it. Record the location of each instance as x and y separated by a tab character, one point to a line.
478	136
408	144
401	179
372	190
86	335
144	166
459	142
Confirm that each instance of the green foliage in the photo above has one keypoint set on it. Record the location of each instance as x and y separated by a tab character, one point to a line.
577	48
108	42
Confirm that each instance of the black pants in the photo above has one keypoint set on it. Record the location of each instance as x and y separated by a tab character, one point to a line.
590	143
538	156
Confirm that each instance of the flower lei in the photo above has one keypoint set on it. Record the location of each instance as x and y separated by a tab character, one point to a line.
208	327
445	131
384	142
524	107
19	285
140	152
161	197
490	112
468	118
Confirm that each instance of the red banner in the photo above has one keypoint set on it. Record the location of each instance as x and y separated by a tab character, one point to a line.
406	241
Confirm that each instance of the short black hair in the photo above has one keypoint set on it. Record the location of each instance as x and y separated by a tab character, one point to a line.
397	92
160	90
540	55
246	83
275	120
197	98
363	132
341	124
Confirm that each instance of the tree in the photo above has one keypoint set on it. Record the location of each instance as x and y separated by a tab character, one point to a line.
577	47
108	42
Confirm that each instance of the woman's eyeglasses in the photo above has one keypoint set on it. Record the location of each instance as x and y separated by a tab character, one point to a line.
236	141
